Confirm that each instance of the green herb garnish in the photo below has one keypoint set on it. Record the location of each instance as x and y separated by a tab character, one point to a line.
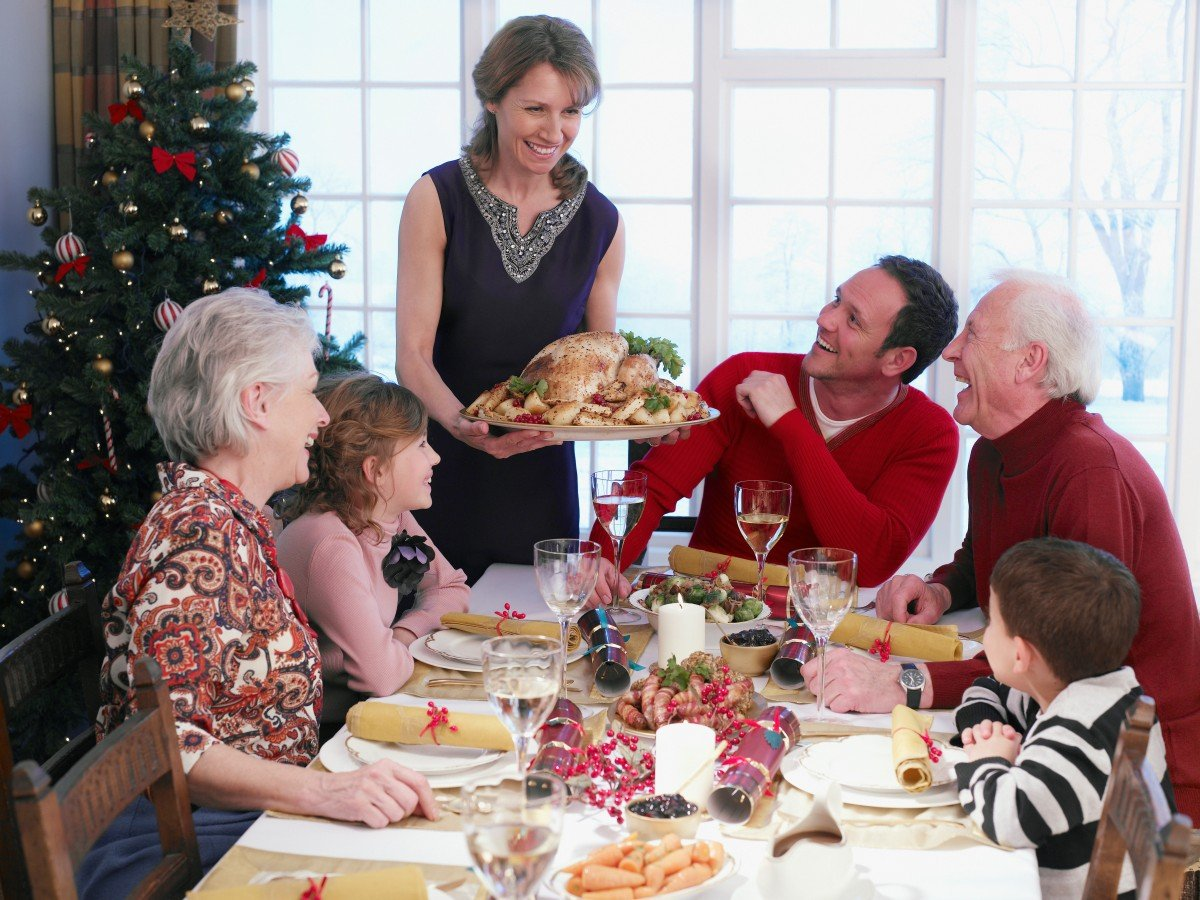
656	400
663	351
675	674
521	387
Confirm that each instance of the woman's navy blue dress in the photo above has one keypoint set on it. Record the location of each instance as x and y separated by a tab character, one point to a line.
504	297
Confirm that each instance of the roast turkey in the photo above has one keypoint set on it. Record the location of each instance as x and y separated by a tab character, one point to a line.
578	366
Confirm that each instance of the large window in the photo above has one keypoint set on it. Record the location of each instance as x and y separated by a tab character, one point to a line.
762	151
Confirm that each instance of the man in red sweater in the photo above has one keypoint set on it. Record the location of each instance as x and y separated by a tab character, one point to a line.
868	457
1030	359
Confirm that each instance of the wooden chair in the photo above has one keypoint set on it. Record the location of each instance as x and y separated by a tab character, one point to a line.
69	643
59	823
1135	819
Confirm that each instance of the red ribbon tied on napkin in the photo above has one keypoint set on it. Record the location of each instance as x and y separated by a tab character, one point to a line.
185	162
16	416
311	241
315	890
76	265
438	716
507	613
882	647
935	752
118	111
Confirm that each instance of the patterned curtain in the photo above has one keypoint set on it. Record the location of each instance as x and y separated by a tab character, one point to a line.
89	39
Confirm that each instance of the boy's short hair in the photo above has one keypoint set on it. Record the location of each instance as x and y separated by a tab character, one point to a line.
1077	605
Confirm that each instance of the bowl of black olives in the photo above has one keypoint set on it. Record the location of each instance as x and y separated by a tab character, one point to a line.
750	650
657	815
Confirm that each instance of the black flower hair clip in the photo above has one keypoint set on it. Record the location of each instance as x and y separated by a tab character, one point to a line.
407	562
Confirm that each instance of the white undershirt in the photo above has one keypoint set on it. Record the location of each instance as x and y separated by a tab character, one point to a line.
830	428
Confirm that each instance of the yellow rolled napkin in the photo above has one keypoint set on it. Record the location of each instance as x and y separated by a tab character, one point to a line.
690	561
937	643
910	753
394	883
477	624
375	721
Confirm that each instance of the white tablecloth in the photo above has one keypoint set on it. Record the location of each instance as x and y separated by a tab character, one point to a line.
955	871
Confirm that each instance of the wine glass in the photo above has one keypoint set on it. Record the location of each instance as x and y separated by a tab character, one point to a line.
513	833
618	497
522	675
566	569
762	509
823	583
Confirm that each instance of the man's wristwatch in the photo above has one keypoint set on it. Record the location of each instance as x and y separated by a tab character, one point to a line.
912	680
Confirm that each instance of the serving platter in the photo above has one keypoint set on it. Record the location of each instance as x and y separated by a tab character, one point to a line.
615	721
558	883
638	601
596	432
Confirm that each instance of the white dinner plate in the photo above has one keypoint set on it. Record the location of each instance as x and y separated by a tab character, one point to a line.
864	762
428	759
465	658
558	884
798	775
598	432
336	757
638	601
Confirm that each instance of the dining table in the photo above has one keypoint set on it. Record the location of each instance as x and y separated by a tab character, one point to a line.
895	861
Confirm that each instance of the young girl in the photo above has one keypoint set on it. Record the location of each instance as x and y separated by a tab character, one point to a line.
364	570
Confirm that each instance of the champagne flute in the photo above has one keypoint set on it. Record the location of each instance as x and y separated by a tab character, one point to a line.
566	569
513	833
762	509
522	675
823	583
618	497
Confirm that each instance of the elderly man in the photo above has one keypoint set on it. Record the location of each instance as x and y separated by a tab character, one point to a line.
1029	360
868	456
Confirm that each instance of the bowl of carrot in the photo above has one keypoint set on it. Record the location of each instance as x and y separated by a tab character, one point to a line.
634	868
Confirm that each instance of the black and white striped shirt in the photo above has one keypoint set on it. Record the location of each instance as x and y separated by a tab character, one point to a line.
1050	798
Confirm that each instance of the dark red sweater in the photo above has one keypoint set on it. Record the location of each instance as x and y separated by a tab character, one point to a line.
875	488
1063	472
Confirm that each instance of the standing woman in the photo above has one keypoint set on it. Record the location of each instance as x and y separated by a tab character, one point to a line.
501	252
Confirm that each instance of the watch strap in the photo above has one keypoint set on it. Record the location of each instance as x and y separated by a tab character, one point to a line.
912	698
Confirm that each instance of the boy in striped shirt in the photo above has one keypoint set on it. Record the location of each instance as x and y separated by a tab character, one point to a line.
1040	733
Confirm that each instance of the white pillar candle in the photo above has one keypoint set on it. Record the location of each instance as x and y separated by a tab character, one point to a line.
680	631
680	749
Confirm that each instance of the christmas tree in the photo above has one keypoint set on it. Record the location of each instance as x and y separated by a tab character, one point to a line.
178	200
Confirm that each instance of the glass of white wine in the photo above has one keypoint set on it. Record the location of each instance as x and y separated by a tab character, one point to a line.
566	569
521	676
618	497
762	509
512	833
823	583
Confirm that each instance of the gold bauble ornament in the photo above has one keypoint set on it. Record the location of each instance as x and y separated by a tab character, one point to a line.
34	528
210	286
51	325
235	92
198	125
129	209
177	231
223	217
248	85
107	501
155	496
146	130
36	214
20	395
109	178
25	570
103	365
122	260
337	268
132	88
250	170
299	204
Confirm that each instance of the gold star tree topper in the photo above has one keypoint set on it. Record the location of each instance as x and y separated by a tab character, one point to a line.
202	15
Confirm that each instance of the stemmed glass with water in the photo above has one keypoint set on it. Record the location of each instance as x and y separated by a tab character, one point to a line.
566	570
512	833
522	675
618	497
823	584
762	509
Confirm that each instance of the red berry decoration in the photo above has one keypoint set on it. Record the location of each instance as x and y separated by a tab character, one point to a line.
166	313
286	160
69	248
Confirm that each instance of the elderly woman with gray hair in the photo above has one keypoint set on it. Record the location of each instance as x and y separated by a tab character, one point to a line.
201	592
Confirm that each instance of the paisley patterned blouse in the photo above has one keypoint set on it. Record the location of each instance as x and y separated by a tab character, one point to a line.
201	592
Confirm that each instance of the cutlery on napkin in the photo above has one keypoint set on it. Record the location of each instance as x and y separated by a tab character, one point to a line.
375	721
494	625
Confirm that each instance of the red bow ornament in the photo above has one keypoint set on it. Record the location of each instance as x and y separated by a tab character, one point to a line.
258	279
311	241
16	416
185	162
95	460
76	265
117	112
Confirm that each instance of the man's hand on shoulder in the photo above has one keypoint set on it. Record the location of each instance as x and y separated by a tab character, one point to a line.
766	396
907	598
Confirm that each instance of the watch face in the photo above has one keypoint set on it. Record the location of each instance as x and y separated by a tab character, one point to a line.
912	678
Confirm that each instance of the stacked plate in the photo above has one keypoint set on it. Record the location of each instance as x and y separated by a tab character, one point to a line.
862	765
451	649
445	767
